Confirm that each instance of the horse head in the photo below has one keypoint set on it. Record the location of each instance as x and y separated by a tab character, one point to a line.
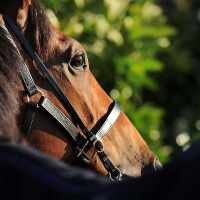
66	61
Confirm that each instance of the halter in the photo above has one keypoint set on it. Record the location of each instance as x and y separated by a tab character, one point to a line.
95	139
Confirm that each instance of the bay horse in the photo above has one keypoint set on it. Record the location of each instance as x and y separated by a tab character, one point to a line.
26	173
83	124
9	92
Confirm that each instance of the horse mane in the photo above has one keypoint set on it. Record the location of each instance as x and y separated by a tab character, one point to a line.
9	79
38	29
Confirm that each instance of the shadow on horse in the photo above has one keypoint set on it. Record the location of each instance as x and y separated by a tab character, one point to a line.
62	110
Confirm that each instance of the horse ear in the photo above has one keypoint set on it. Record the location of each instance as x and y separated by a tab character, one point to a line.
22	13
26	3
1	18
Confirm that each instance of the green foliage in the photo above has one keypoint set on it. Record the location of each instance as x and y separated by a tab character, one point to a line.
179	79
122	39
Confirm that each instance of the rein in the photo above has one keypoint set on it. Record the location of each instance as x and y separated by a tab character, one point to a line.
95	139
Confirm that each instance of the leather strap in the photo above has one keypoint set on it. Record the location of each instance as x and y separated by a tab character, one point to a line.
44	70
26	76
79	140
91	137
113	171
63	120
102	132
28	119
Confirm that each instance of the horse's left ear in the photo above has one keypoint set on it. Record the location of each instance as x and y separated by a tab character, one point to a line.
22	13
26	3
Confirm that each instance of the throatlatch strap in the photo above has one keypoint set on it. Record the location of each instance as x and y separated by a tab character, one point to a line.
28	119
26	76
44	70
79	140
63	120
91	137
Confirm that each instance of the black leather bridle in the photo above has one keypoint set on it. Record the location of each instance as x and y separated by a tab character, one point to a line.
95	139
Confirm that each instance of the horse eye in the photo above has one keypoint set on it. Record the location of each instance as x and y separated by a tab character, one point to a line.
78	62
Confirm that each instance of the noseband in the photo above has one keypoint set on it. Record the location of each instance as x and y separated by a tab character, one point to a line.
95	139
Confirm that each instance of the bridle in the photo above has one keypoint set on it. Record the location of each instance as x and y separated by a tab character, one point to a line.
95	139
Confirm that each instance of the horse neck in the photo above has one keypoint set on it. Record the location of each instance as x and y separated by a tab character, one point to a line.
9	78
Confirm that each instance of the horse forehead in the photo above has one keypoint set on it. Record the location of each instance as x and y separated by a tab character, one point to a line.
73	44
68	45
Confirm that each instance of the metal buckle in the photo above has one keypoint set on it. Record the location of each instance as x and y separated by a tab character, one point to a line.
116	175
83	156
98	146
39	91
